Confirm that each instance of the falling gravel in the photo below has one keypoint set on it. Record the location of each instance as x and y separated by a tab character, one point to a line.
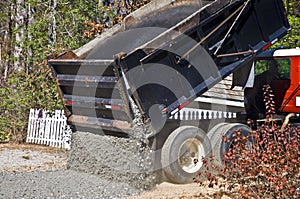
116	159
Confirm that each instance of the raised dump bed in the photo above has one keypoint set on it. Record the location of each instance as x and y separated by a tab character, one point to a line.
197	47
86	79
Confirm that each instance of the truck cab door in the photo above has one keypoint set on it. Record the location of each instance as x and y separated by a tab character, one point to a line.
274	72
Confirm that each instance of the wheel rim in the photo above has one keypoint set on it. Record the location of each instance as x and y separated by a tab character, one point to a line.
190	155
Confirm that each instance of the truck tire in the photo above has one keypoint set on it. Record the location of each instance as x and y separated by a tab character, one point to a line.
219	147
182	153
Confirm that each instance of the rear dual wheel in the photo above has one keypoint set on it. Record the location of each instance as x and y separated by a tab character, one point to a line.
182	154
219	146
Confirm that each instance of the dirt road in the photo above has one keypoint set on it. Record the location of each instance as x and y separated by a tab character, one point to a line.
169	191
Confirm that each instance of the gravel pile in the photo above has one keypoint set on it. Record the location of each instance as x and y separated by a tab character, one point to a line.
97	167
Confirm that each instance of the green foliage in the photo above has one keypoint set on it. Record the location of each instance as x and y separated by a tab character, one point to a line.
4	137
47	28
66	22
292	40
20	93
35	29
283	66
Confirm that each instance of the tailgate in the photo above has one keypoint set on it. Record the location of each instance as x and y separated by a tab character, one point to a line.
90	93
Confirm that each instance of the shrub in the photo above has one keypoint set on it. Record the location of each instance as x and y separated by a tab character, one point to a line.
19	94
4	137
268	168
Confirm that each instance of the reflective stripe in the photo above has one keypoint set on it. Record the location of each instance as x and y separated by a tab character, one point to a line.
113	107
175	111
116	107
183	105
108	106
269	44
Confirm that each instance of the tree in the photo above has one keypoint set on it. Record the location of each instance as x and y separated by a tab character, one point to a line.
292	40
31	30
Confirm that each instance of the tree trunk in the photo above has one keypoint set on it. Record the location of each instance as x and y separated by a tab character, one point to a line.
19	18
1	63
52	23
29	54
7	44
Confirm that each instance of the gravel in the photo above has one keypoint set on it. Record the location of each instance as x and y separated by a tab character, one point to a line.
61	184
25	160
97	167
116	159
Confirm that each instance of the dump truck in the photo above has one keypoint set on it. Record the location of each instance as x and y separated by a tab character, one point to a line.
137	77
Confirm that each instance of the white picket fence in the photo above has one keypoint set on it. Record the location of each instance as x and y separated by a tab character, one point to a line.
49	128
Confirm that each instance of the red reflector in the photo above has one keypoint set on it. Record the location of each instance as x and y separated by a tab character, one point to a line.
183	105
70	102
267	46
165	110
116	107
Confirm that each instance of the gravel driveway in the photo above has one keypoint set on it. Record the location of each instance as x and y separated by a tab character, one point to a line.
60	184
31	171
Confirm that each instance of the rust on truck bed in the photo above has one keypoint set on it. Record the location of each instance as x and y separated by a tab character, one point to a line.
106	124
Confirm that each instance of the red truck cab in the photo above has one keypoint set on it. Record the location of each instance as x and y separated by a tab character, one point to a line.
291	101
286	84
